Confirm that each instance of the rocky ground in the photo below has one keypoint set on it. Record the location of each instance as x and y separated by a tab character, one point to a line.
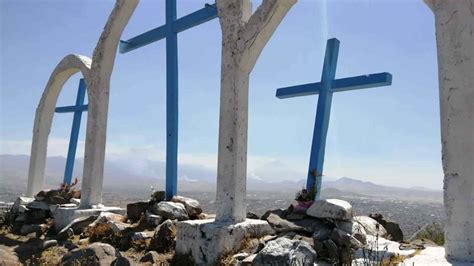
306	232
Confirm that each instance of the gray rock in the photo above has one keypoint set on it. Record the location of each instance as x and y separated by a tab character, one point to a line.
282	225
192	206
164	238
95	254
239	256
113	220
136	209
170	210
283	251
331	208
392	228
371	226
153	219
344	239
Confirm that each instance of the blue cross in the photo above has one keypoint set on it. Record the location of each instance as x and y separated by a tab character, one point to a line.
76	125
170	31
325	89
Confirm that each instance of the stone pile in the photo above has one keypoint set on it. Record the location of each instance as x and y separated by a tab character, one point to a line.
324	230
28	214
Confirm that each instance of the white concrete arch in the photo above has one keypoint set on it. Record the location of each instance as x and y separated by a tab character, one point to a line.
97	73
69	65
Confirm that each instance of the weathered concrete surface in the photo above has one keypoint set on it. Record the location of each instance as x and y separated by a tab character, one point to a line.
432	256
96	73
455	39
243	37
206	241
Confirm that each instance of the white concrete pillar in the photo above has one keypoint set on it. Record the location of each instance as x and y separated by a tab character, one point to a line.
99	86
243	37
455	39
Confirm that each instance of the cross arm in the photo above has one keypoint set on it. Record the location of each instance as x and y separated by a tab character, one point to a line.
71	109
299	90
202	15
362	82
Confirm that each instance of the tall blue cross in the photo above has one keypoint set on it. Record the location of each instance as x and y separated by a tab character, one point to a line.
76	126
325	89
170	31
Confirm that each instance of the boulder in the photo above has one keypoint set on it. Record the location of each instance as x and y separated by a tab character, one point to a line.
392	228
170	210
331	208
193	208
136	209
164	238
283	251
49	243
95	254
344	239
371	226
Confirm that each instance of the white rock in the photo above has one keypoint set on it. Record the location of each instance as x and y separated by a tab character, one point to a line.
370	225
170	210
142	235
331	208
283	251
21	201
192	206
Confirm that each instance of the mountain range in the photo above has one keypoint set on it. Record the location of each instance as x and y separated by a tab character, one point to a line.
118	177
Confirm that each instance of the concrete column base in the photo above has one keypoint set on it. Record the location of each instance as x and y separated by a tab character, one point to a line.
207	241
64	215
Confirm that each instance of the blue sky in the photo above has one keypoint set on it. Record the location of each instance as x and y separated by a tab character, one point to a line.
389	135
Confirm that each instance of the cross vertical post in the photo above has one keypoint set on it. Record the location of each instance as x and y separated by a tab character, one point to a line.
76	125
170	31
171	101
325	89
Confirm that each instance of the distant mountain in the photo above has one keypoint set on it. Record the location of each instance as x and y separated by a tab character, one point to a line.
118	176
